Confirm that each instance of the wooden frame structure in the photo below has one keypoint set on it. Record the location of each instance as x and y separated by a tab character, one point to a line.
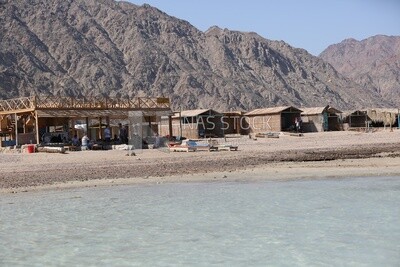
32	103
31	109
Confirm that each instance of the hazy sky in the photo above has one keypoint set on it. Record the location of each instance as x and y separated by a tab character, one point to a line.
309	24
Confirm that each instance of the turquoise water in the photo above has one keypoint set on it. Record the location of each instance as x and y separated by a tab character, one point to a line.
342	222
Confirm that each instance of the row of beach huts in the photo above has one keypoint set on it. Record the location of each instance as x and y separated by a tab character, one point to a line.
210	123
35	119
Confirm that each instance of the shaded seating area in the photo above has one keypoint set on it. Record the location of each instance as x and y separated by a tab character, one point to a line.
49	120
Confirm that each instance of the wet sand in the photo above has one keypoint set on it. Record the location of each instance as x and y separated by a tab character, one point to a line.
312	156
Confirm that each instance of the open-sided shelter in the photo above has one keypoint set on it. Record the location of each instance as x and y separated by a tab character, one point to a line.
320	119
26	120
274	119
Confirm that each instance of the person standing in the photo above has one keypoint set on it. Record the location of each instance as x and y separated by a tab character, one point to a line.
126	131
123	134
298	122
85	142
107	134
75	140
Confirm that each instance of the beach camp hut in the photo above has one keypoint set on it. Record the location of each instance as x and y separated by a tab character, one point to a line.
356	119
321	119
274	119
194	124
234	122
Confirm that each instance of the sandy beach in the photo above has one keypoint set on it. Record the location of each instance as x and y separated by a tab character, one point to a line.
311	156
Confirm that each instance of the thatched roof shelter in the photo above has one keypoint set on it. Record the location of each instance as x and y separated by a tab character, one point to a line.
383	115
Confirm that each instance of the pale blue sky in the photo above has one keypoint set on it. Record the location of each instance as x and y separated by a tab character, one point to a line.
309	24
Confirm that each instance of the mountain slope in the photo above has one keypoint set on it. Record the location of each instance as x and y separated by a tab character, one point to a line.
373	62
92	47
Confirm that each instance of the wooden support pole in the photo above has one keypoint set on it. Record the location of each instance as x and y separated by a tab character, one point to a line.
72	131
87	127
16	128
37	127
24	124
180	121
1	126
170	125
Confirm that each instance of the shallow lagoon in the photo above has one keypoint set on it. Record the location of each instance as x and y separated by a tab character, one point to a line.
335	222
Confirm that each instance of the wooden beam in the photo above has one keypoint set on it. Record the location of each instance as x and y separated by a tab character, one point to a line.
18	111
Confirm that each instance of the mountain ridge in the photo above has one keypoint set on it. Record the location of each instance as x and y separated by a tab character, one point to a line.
374	62
118	49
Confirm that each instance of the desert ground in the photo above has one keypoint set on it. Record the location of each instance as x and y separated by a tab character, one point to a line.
311	156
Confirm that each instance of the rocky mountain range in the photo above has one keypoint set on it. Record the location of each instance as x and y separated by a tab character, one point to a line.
86	48
373	62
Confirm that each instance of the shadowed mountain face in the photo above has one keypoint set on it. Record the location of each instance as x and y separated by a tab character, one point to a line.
103	47
373	62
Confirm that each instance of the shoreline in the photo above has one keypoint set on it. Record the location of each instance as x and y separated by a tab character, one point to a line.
314	156
277	171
